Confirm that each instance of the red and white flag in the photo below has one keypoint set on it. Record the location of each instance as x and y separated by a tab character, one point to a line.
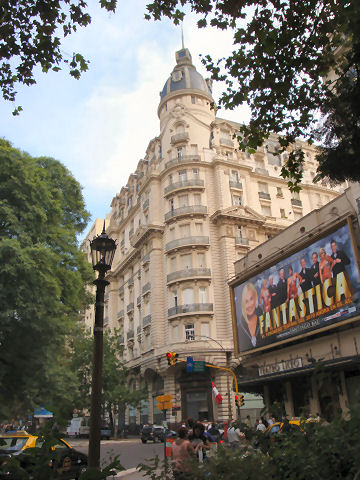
218	397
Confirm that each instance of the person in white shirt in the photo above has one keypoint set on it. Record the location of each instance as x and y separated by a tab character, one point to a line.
235	436
260	426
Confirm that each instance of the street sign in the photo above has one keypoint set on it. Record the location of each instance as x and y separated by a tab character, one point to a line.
199	366
164	405
164	398
189	364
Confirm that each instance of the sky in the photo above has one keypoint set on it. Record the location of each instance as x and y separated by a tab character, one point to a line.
99	126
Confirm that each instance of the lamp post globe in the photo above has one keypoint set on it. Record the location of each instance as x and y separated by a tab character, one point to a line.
102	254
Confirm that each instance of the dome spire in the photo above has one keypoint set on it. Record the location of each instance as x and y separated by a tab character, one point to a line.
182	35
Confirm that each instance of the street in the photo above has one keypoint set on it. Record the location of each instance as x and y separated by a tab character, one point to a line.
131	451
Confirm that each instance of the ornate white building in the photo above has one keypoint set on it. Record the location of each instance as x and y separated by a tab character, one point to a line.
194	205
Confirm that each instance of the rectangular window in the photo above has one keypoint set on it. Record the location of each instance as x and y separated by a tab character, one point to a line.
182	175
188	296
180	152
199	228
194	149
172	233
195	173
197	199
175	298
202	295
189	332
201	260
282	213
192	99
266	211
205	329
186	261
236	200
173	264
175	333
234	176
295	195
172	204
185	230
183	200
170	179
279	192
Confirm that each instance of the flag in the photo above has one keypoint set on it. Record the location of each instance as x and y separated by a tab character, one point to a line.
218	397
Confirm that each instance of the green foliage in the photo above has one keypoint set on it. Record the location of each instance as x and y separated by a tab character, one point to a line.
281	66
43	276
32	32
115	384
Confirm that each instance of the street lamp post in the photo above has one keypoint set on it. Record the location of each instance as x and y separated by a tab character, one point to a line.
102	254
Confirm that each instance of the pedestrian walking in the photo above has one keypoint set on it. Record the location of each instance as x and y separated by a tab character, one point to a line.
182	451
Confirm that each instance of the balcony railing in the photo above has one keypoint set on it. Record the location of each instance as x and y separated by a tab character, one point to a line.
195	182
146	287
138	300
182	159
296	202
146	204
180	242
179	137
226	141
130	334
120	314
146	320
130	307
261	171
189	272
236	184
241	241
190	308
264	195
189	209
146	258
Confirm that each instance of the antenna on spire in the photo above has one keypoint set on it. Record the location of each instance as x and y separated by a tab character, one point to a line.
182	35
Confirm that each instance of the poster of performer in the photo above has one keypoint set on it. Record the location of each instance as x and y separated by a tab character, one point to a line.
313	288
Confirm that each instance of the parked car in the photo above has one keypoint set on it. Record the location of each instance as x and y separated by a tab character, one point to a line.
148	434
78	427
166	433
105	432
66	462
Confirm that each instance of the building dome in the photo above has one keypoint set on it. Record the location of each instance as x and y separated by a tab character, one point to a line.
185	77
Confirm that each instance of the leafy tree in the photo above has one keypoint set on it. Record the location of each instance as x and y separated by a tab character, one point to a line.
31	33
43	276
115	384
292	62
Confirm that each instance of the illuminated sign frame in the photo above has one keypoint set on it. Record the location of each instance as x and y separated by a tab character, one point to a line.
277	305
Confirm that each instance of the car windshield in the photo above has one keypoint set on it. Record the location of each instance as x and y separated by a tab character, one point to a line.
12	443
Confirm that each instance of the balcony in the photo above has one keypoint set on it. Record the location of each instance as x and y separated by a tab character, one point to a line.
226	141
195	182
182	159
261	171
146	204
190	308
146	288
235	184
188	210
146	258
296	202
130	335
182	242
120	314
146	320
179	138
264	196
130	307
189	273
241	241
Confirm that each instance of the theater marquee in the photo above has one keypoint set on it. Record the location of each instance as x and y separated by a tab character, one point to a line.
316	287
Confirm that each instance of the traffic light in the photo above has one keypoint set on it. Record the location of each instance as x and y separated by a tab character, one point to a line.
172	358
237	401
242	401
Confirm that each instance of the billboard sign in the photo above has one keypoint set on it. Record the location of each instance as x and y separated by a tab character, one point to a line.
311	289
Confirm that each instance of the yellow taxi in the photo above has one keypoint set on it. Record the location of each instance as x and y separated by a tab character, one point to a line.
17	440
294	424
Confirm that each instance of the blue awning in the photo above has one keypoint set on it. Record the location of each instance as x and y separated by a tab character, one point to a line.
42	413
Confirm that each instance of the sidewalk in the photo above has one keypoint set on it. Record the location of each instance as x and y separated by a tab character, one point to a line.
130	474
